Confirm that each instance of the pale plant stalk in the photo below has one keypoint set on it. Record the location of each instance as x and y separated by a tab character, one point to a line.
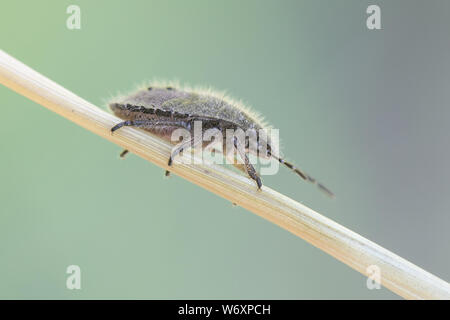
397	274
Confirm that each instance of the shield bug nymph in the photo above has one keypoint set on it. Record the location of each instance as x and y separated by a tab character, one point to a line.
161	109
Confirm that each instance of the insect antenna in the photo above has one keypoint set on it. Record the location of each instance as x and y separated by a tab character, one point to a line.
304	176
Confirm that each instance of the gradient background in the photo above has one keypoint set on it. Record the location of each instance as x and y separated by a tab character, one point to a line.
366	112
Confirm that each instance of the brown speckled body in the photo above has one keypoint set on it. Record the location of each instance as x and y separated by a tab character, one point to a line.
190	103
163	109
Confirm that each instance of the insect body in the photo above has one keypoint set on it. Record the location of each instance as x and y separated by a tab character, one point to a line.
162	109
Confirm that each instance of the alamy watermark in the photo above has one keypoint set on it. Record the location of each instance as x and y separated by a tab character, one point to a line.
73	22
210	146
73	281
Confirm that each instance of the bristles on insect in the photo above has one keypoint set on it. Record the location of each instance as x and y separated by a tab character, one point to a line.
209	91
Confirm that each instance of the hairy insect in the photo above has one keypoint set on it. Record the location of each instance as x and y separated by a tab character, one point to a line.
162	109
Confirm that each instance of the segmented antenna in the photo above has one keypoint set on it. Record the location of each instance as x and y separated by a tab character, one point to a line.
305	176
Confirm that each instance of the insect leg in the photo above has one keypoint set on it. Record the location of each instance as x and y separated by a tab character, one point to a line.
195	141
123	153
125	123
148	123
248	166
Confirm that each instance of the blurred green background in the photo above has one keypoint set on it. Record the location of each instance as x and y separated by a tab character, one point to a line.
366	112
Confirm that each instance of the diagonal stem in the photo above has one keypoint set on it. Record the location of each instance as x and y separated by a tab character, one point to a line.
397	274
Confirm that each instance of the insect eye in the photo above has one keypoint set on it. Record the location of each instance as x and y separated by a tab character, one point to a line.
169	88
150	88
